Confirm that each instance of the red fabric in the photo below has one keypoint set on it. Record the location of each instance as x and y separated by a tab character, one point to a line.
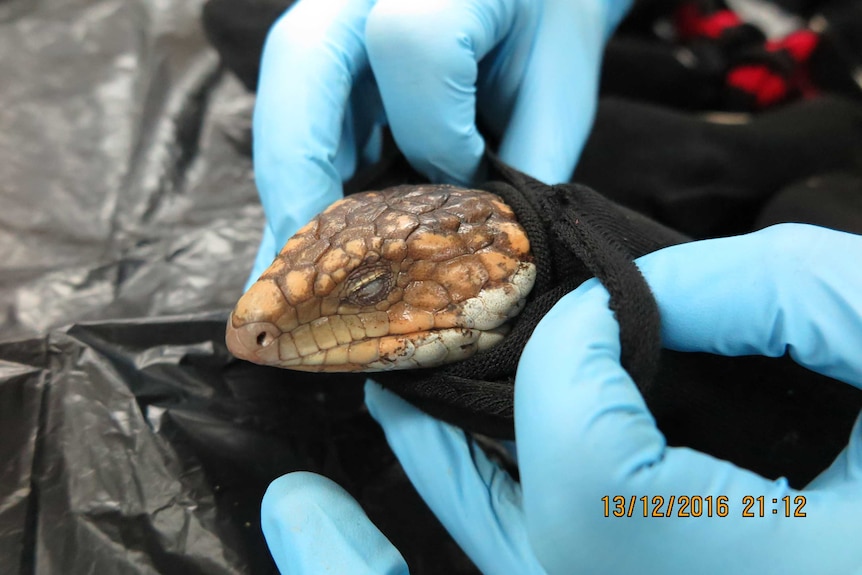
799	44
692	23
767	87
713	26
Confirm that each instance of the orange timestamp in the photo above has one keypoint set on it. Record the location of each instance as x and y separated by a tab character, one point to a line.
702	506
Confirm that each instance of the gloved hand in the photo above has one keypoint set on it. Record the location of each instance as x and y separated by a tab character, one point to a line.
530	69
584	433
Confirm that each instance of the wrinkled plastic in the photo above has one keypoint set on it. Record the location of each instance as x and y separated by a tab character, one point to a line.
131	441
141	446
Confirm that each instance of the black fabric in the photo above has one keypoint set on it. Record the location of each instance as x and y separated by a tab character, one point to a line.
801	8
706	178
831	201
836	65
768	415
685	78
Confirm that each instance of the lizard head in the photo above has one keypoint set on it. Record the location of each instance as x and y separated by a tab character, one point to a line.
406	277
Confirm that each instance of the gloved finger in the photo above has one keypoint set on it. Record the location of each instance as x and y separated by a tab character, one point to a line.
425	59
847	467
788	288
312	58
554	111
265	254
313	526
362	128
585	434
477	502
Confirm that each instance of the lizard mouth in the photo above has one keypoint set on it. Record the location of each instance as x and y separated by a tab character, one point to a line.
263	343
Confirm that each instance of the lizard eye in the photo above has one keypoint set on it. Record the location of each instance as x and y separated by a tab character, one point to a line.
369	285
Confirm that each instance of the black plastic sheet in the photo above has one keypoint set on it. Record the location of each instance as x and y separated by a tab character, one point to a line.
142	446
131	441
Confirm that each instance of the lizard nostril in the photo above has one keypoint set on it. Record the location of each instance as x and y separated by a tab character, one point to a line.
257	342
264	339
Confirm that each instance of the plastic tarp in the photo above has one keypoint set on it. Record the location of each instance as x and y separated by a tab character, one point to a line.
130	440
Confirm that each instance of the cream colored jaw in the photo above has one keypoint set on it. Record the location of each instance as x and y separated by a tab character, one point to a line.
411	351
360	343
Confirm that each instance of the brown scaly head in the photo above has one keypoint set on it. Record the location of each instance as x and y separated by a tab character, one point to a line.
411	276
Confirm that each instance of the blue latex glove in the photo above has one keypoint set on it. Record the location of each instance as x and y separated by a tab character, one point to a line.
584	432
529	67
